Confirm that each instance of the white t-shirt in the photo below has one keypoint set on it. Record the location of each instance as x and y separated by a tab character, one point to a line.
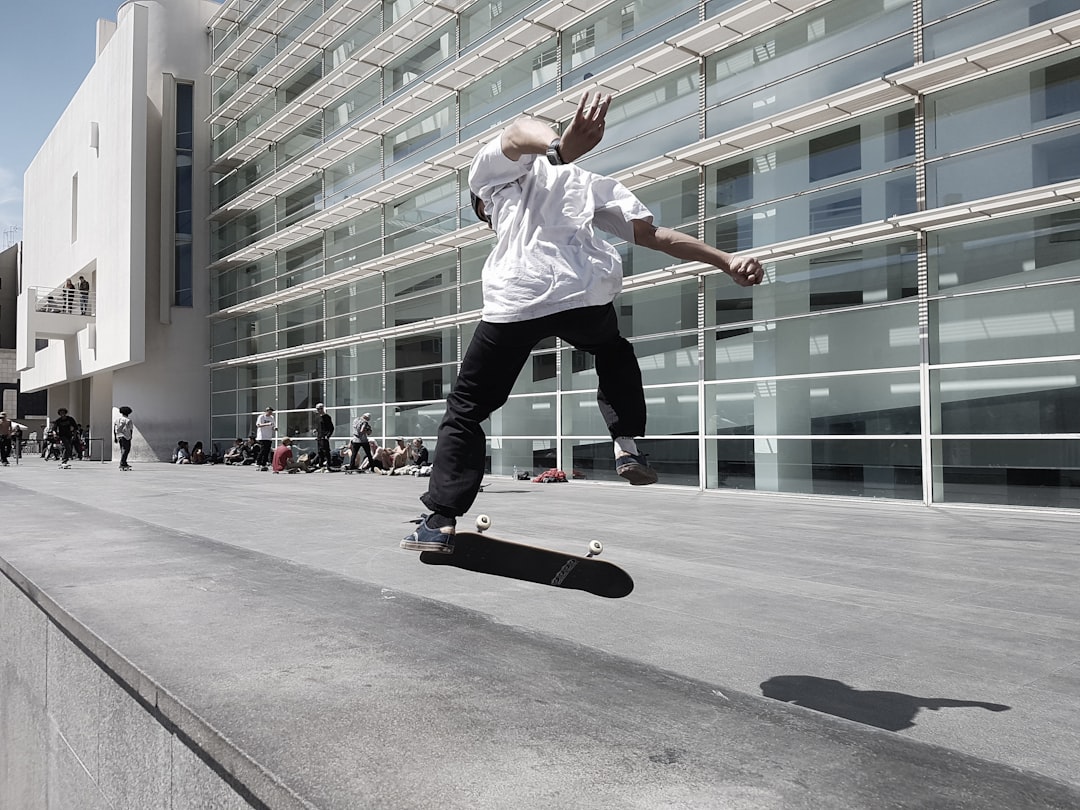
264	427
548	257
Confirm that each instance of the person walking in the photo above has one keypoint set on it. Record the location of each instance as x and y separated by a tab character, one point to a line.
324	429
361	439
9	437
123	428
550	274
265	428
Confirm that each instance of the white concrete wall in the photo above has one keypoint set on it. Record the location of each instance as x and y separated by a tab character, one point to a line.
124	229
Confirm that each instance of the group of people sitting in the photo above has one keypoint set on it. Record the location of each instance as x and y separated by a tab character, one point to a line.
184	454
407	458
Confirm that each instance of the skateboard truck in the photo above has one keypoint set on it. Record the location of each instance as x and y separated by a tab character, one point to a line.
483	523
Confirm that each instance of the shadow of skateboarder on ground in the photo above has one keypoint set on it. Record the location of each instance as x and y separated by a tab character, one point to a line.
893	711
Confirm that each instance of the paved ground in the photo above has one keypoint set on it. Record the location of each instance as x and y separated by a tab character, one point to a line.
950	626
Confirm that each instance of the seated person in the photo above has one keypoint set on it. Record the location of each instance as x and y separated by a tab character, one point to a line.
399	457
198	455
250	450
182	454
283	458
418	454
235	454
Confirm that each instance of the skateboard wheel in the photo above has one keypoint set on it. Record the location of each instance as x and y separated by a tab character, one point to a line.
483	523
595	547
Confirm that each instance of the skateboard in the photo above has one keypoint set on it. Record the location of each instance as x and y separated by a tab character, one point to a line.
484	554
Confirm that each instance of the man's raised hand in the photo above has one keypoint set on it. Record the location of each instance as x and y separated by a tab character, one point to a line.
586	129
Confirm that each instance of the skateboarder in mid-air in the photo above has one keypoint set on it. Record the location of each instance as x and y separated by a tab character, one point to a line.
550	274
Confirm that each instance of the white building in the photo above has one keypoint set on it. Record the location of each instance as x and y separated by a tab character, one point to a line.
113	196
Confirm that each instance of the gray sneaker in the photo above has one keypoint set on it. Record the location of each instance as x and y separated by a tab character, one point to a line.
635	469
430	538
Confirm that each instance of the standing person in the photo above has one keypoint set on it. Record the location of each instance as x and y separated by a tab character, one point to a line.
65	427
69	296
265	428
324	429
361	439
84	295
122	431
7	431
549	275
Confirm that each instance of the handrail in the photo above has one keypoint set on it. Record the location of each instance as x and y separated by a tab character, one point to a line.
64	301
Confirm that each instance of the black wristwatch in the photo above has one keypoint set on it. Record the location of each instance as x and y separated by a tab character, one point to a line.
554	156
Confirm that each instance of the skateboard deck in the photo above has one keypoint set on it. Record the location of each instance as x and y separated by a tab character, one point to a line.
485	554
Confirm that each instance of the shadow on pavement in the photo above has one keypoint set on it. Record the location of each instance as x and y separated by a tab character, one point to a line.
893	711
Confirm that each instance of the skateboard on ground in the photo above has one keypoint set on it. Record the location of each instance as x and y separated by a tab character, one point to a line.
484	554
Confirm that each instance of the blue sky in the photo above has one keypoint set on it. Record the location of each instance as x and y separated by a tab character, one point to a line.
47	50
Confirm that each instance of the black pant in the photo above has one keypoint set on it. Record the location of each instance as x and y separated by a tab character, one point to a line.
68	443
322	443
125	448
495	357
264	453
5	448
354	462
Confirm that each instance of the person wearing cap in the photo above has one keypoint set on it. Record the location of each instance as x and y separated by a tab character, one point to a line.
123	429
550	274
283	458
361	440
324	429
265	428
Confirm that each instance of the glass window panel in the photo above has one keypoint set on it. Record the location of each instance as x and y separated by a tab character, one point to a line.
223	379
225	429
865	275
952	32
415	419
888	468
303	262
422	57
257	374
359	34
867	200
355	390
659	309
422	215
864	404
813	55
481	18
301	321
526	455
675	460
1029	472
354	173
525	416
619	31
356	359
538	375
354	242
1034	322
422	291
1017	250
223	403
633	132
413	384
668	360
1007	104
424	349
1029	398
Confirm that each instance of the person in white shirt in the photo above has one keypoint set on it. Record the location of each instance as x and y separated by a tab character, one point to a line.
265	428
551	274
123	428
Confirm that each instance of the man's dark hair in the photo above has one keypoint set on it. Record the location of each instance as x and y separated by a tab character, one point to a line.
476	208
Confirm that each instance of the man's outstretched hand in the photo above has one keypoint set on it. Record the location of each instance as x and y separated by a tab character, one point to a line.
586	129
745	271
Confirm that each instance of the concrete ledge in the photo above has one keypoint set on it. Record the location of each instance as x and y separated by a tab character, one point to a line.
305	689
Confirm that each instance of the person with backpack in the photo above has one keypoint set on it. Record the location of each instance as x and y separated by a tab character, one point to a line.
361	440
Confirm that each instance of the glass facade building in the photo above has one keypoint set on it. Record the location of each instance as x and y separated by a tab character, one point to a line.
907	170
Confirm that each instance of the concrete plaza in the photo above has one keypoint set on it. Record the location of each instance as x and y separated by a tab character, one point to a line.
944	638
